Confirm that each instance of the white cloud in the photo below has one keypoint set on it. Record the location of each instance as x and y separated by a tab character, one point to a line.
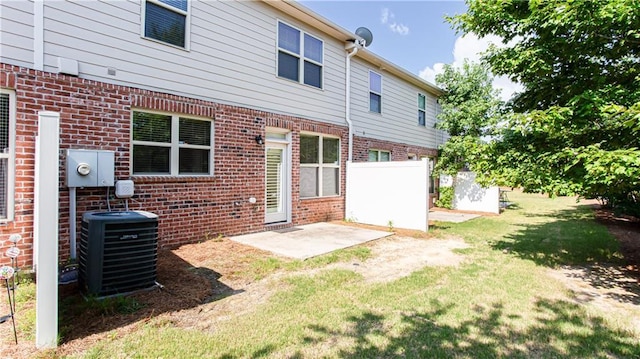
399	28
384	17
388	18
470	47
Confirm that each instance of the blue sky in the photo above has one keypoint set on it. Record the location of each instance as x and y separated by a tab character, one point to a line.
411	34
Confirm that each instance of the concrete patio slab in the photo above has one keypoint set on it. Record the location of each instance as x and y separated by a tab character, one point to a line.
302	242
443	216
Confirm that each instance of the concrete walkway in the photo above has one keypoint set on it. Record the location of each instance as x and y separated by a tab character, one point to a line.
444	216
310	240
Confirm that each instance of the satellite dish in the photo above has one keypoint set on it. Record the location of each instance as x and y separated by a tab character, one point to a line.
366	35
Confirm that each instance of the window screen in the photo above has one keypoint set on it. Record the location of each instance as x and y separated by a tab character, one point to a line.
300	56
375	92
421	110
319	166
166	21
379	156
159	149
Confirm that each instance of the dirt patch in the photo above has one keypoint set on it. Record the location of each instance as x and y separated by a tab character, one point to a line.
392	258
396	257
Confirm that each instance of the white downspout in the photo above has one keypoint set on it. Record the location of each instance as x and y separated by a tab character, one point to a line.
347	111
353	48
38	35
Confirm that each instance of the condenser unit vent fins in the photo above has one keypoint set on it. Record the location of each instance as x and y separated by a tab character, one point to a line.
118	252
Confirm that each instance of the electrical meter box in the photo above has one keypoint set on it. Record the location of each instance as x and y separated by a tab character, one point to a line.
90	168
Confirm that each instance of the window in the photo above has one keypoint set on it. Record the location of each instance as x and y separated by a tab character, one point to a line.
7	145
300	56
375	92
171	145
379	156
319	166
422	110
167	21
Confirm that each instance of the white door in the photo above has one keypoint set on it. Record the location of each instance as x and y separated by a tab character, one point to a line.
276	179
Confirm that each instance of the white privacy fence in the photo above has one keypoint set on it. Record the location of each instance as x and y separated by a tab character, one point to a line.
388	193
470	196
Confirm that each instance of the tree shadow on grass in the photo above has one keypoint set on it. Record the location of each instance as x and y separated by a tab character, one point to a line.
567	237
573	240
183	286
559	329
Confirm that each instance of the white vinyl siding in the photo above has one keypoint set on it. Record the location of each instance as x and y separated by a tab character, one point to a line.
169	144
7	151
16	33
231	58
398	122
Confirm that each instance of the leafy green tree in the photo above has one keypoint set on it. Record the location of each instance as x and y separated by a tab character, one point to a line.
576	125
470	109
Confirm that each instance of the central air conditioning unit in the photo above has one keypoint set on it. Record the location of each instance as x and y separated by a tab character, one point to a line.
118	252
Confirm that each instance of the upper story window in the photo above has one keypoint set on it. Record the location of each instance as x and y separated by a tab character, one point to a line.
165	144
379	156
300	56
319	166
422	106
375	92
167	21
7	149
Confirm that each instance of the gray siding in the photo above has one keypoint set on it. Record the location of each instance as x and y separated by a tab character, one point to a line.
398	121
16	33
232	55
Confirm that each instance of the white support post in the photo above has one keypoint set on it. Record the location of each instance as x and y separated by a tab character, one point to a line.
46	228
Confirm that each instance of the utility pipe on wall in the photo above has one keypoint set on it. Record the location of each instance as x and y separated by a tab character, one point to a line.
72	222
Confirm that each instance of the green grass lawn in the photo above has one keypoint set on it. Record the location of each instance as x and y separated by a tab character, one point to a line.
500	302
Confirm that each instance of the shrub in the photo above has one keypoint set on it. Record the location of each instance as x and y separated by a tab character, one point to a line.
445	198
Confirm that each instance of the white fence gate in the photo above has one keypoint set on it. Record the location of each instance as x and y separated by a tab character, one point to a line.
470	196
388	193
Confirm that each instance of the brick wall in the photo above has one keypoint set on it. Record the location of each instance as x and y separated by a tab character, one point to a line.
97	115
399	151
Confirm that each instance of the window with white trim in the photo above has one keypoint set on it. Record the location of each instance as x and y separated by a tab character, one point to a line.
375	92
166	144
379	156
300	56
167	21
7	150
422	106
319	166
